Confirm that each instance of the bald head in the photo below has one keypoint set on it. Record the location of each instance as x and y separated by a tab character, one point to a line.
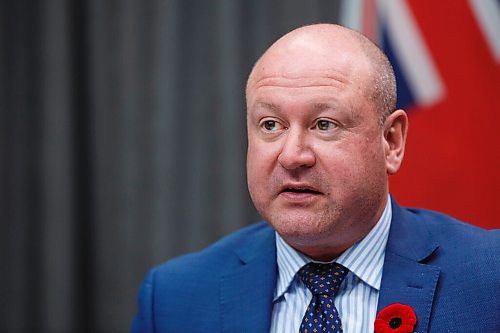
319	49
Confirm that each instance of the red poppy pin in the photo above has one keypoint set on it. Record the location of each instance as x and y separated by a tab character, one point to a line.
396	318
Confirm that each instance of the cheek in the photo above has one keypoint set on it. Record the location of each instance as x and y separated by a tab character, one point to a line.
260	163
371	168
261	156
355	162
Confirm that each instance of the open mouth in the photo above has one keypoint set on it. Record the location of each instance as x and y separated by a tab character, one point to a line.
299	190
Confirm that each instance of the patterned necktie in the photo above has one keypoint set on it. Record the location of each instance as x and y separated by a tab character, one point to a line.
323	280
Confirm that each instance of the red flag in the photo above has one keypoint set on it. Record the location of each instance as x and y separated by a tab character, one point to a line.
452	161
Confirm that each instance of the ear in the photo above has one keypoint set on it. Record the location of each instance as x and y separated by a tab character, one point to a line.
395	128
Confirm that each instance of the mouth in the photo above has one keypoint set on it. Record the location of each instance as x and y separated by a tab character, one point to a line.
299	189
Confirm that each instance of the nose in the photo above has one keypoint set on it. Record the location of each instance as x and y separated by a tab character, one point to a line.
296	151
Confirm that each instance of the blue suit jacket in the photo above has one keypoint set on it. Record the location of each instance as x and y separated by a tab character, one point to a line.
447	271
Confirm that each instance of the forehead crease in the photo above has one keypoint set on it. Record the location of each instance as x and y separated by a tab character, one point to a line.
314	108
287	80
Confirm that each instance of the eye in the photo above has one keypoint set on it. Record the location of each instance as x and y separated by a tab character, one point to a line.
271	125
325	125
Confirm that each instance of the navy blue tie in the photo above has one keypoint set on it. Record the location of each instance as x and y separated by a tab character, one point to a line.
323	280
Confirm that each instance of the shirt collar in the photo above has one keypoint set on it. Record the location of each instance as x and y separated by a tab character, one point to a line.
365	259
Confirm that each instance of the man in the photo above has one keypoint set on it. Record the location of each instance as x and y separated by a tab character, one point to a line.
323	136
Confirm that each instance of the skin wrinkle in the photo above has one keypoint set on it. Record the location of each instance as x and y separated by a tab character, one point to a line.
252	84
327	76
291	78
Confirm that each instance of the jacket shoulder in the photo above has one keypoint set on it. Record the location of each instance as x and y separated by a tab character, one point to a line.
194	276
221	252
466	254
467	258
449	230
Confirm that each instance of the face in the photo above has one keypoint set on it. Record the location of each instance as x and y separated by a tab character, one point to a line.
316	162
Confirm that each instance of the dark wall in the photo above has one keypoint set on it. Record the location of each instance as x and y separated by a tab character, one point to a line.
122	144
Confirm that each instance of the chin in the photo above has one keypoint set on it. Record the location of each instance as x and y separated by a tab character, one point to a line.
304	230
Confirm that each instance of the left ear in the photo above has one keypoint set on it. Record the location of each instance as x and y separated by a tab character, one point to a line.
395	128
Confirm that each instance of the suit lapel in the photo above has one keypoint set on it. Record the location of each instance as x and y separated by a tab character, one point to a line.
247	291
406	278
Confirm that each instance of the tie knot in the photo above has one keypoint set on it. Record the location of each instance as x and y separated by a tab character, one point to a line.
323	279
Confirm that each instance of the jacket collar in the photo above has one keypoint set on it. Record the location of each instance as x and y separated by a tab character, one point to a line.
247	291
406	278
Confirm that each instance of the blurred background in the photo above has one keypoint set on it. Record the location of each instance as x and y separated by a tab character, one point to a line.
123	139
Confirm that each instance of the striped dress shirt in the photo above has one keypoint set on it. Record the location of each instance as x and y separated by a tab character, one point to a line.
357	297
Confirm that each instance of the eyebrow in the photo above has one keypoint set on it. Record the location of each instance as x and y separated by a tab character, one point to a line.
265	105
323	106
274	107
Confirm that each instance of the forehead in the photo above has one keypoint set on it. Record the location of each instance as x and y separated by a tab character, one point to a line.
277	92
308	78
290	99
305	63
341	87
